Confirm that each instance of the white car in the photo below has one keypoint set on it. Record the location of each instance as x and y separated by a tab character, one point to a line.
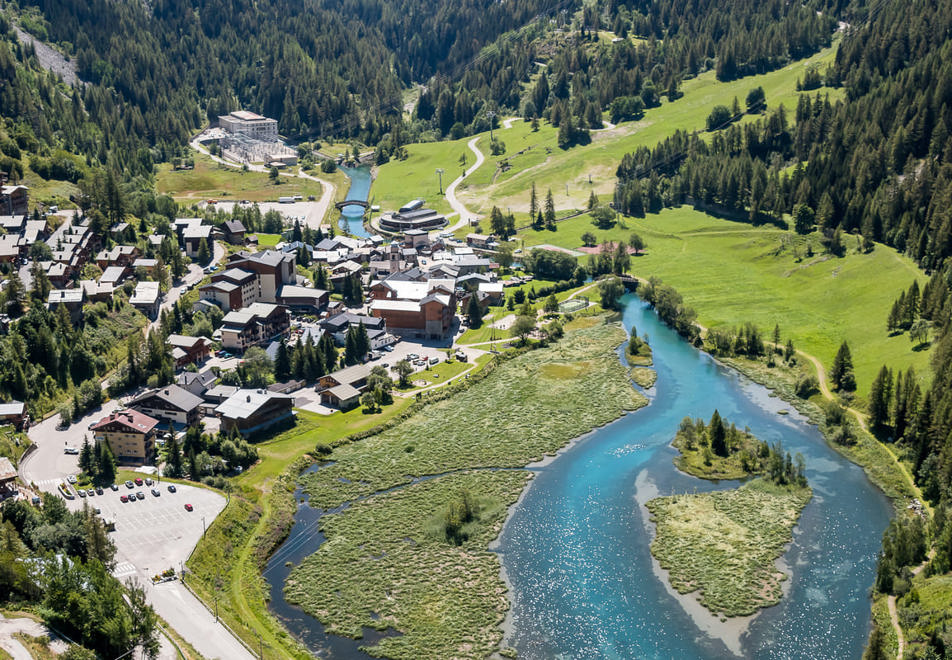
70	450
183	290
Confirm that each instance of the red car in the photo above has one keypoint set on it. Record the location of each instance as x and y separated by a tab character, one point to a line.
138	482
188	507
123	498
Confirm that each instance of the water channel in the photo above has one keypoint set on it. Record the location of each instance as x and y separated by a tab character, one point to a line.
352	216
575	549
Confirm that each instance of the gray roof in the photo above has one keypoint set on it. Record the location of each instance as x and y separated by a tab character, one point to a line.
12	408
245	403
344	392
204	377
172	394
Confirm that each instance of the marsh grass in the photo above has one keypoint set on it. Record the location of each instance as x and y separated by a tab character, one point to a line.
724	544
644	377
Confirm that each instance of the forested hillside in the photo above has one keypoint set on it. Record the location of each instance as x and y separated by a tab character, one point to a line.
878	163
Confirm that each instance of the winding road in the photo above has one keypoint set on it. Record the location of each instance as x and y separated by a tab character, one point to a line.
319	208
464	213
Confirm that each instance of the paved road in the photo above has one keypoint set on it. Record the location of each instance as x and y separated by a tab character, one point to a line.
319	210
464	213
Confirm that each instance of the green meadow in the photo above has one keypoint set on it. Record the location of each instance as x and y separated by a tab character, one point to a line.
733	272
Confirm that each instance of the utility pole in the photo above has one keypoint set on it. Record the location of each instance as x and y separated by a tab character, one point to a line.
492	115
439	173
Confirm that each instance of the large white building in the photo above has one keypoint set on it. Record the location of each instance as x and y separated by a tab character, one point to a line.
243	122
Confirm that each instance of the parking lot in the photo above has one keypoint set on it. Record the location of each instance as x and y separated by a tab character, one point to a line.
154	533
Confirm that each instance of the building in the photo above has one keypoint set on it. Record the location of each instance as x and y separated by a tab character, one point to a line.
343	388
192	237
145	298
72	299
303	299
338	325
188	350
130	434
231	289
481	241
421	309
114	275
219	393
233	232
249	124
343	397
402	221
119	255
273	268
250	411
13	412
8	478
259	323
170	404
14	200
196	382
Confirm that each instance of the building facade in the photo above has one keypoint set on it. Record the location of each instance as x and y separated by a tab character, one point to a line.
130	434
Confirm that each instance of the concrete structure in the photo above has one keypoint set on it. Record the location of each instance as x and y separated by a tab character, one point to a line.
146	298
423	219
130	434
170	404
250	411
250	124
256	324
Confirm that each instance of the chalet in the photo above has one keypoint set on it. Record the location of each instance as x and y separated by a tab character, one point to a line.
12	223
256	324
421	309
343	388
233	232
73	300
303	299
188	350
481	241
13	412
119	255
114	275
14	199
219	393
59	274
196	382
494	290
146	267
338	325
170	403
145	298
343	397
192	237
250	411
130	434
95	291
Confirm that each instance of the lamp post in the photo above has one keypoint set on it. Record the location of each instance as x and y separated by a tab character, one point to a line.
439	173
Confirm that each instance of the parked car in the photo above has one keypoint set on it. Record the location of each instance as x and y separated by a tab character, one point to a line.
140	495
148	481
81	492
155	492
129	484
97	510
70	450
434	361
138	481
171	488
71	479
90	492
123	498
114	486
413	356
99	491
188	507
183	290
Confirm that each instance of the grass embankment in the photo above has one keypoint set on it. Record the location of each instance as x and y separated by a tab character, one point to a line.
724	544
13	444
924	613
213	180
382	565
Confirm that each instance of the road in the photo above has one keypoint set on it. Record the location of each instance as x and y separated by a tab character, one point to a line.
320	208
464	213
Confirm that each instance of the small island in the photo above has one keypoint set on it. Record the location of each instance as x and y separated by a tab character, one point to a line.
638	354
724	544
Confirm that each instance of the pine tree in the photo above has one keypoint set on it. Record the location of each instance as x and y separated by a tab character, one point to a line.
718	435
880	398
362	340
106	463
842	372
549	211
350	347
87	461
204	254
533	201
473	313
173	461
910	310
282	364
895	314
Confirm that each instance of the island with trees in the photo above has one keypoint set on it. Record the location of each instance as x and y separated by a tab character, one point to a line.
724	544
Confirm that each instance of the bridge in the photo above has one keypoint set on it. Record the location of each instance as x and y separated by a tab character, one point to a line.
352	202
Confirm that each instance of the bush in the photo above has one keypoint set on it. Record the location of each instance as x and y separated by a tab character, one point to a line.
719	118
807	386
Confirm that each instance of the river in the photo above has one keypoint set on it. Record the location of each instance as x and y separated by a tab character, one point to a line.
352	216
575	548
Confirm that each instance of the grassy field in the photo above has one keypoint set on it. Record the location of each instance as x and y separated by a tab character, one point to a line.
268	240
644	377
925	611
724	544
212	180
387	562
732	272
388	565
50	192
399	181
538	402
13	444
